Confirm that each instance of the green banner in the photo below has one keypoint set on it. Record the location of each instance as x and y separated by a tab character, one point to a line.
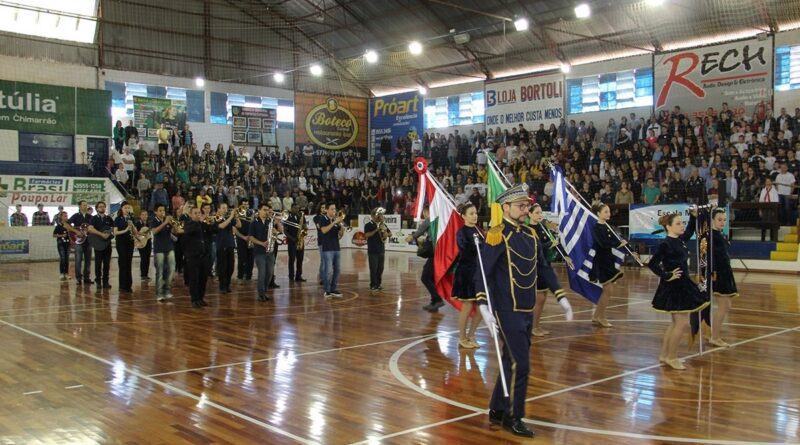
149	113
37	108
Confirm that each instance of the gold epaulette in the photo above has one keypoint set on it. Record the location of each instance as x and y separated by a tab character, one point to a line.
495	235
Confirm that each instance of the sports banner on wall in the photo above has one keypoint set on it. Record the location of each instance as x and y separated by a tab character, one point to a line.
55	191
643	219
530	101
331	123
150	112
738	73
254	126
394	117
396	241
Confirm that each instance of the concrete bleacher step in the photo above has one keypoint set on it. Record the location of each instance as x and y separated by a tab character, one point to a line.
786	247
791	237
783	256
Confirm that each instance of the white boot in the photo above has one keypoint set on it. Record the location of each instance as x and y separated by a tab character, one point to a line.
567	308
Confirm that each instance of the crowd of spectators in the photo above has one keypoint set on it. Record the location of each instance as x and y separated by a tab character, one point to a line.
669	157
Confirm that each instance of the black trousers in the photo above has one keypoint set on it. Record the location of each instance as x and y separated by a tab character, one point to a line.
179	262
63	257
515	331
376	261
102	265
124	262
197	271
144	261
427	280
225	267
295	261
245	260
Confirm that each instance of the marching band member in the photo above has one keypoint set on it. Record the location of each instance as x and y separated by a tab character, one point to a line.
548	280
196	250
676	292
262	234
224	224
78	224
375	248
318	218
145	252
102	227
464	283
509	257
604	268
164	251
331	231
61	234
244	253
294	243
124	231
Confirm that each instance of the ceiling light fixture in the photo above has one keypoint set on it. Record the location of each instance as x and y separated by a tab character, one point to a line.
521	24
583	11
422	90
371	56
316	70
415	48
566	67
199	81
655	3
279	77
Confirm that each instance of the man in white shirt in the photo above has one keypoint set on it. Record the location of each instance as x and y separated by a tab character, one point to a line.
288	201
784	182
768	194
129	162
308	155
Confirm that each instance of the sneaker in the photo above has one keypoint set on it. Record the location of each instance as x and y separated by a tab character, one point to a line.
263	298
169	296
145	278
161	298
327	295
337	293
437	305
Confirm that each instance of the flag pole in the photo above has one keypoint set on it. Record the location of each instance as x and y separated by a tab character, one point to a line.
575	192
492	328
697	235
556	244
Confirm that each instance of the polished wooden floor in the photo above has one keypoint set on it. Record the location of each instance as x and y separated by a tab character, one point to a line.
82	367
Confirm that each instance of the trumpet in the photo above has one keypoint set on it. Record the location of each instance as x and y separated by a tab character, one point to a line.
341	215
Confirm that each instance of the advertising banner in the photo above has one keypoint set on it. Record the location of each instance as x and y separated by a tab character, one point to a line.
643	219
738	73
396	241
530	100
331	123
37	108
260	123
150	112
55	191
394	117
14	247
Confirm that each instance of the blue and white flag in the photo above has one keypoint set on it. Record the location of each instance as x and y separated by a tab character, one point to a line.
575	230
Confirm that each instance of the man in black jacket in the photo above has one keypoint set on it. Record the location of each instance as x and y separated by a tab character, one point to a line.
198	260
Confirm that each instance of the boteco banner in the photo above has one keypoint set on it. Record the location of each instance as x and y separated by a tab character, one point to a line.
530	100
738	73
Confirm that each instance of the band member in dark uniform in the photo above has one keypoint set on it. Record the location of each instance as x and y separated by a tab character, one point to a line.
724	285
262	234
102	225
124	231
676	292
207	219
178	238
78	225
225	222
196	254
318	223
162	226
330	232
548	280
296	252
604	268
509	262
375	249
244	253
146	251
61	234
464	282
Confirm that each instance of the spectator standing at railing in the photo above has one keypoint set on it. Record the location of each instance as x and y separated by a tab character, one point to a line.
118	135
131	133
40	217
19	219
129	165
143	187
163	139
159	196
785	184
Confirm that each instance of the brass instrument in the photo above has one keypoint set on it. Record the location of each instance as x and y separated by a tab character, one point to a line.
382	228
302	233
145	234
341	215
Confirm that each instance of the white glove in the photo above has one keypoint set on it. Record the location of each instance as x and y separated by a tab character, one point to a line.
567	308
488	318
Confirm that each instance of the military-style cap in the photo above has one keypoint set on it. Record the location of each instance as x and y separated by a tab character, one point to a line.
514	194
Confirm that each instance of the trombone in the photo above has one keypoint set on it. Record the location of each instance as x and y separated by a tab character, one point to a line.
341	215
283	217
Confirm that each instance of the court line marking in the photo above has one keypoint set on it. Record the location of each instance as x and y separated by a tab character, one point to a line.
73	387
395	370
29	393
166	386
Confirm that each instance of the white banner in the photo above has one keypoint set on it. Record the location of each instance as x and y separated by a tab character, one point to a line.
643	219
738	73
355	238
530	100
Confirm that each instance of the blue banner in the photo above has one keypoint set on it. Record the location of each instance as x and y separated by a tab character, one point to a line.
394	117
14	247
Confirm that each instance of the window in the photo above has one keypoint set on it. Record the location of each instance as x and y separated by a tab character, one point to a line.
221	104
73	20
610	91
787	68
122	99
451	111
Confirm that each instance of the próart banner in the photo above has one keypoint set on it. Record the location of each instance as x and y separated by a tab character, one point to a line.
530	101
55	191
150	112
394	117
643	219
738	73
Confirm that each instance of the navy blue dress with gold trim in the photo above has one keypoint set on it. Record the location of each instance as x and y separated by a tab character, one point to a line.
463	282
724	284
681	294
604	269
